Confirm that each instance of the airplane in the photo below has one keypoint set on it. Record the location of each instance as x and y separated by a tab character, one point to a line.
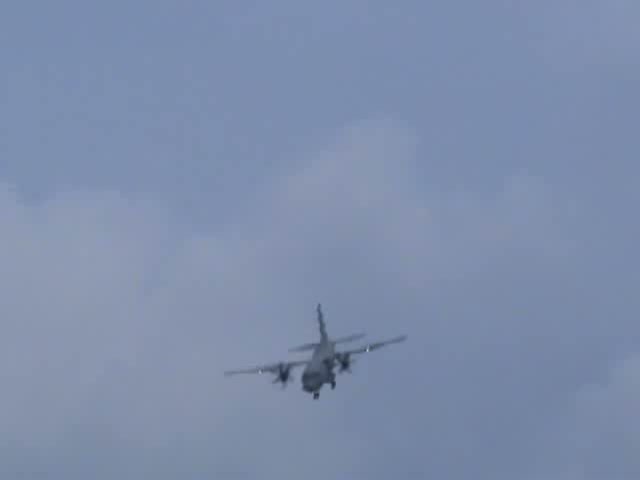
319	369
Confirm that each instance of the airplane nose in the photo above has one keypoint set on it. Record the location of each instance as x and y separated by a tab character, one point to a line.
309	383
306	386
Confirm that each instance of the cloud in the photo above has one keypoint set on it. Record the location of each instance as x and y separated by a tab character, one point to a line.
579	35
600	433
119	320
607	430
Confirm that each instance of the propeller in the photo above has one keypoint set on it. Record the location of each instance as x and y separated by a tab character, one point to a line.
283	375
344	361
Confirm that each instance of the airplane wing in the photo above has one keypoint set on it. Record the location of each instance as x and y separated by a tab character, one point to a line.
374	346
344	360
272	368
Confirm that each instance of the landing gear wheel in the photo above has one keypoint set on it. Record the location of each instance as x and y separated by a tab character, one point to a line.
333	385
316	395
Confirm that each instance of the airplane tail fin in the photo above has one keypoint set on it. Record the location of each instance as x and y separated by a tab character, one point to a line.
323	334
321	324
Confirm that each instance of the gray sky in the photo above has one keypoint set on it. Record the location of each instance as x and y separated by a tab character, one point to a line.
181	183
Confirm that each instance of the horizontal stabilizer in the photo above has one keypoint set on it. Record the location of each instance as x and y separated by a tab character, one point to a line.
304	348
350	338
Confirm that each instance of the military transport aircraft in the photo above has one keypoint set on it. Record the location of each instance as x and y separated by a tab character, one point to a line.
319	369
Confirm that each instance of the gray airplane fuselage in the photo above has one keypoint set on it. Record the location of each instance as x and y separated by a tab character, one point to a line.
320	369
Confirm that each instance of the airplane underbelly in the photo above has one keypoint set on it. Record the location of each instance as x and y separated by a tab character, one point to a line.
313	379
316	373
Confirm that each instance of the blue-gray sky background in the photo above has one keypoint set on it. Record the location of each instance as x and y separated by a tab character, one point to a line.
181	183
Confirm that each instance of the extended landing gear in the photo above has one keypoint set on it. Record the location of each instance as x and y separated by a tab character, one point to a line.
333	385
316	395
